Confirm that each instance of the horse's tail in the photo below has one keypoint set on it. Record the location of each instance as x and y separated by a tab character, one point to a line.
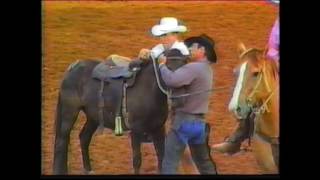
57	149
67	110
58	115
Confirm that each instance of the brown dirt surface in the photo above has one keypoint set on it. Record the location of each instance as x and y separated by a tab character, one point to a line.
94	30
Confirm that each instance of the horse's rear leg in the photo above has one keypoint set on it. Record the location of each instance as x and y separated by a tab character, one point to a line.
136	151
66	116
85	138
158	142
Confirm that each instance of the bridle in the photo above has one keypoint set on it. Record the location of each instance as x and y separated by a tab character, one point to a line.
258	111
262	79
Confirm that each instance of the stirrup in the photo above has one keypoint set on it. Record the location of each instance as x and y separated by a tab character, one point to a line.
118	131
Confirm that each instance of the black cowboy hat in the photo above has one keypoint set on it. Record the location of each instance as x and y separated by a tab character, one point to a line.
174	54
205	41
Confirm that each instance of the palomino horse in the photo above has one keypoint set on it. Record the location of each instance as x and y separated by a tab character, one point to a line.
257	94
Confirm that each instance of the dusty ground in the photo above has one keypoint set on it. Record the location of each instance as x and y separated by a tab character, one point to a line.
82	30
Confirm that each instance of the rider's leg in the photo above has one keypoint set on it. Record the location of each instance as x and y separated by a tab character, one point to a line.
232	144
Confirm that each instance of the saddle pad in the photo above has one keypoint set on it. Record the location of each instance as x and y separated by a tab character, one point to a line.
120	60
103	71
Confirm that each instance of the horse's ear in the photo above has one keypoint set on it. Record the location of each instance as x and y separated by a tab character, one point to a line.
256	58
241	48
258	54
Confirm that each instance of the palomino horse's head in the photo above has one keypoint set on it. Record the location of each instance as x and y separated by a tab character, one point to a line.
257	91
256	83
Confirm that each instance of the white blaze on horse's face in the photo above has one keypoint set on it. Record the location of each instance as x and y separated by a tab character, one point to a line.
233	105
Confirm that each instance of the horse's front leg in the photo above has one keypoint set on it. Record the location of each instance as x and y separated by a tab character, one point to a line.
136	151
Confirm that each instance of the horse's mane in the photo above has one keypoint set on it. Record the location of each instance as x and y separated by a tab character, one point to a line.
273	68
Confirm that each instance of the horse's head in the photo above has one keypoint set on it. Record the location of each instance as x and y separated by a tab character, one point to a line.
255	81
175	59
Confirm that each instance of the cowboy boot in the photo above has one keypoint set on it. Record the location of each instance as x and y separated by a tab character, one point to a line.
232	144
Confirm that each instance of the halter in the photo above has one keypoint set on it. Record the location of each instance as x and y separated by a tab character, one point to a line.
264	106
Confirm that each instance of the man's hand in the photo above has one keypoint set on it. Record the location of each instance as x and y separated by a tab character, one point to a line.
162	59
144	54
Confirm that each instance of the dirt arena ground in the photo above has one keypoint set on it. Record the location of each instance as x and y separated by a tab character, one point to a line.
94	30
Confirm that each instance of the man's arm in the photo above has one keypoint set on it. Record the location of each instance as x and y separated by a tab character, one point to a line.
180	77
157	51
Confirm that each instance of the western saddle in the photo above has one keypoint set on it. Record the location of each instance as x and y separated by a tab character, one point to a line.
117	68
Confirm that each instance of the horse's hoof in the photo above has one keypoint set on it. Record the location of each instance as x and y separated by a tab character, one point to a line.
88	172
232	154
226	148
99	131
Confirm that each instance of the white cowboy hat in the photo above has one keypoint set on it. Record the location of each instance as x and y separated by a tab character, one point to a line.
167	25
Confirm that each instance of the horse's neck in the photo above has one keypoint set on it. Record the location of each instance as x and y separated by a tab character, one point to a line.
147	80
272	70
270	119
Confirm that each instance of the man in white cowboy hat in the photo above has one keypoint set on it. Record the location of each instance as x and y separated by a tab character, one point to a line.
167	31
188	126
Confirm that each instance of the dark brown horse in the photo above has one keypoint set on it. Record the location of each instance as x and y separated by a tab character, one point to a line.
146	104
